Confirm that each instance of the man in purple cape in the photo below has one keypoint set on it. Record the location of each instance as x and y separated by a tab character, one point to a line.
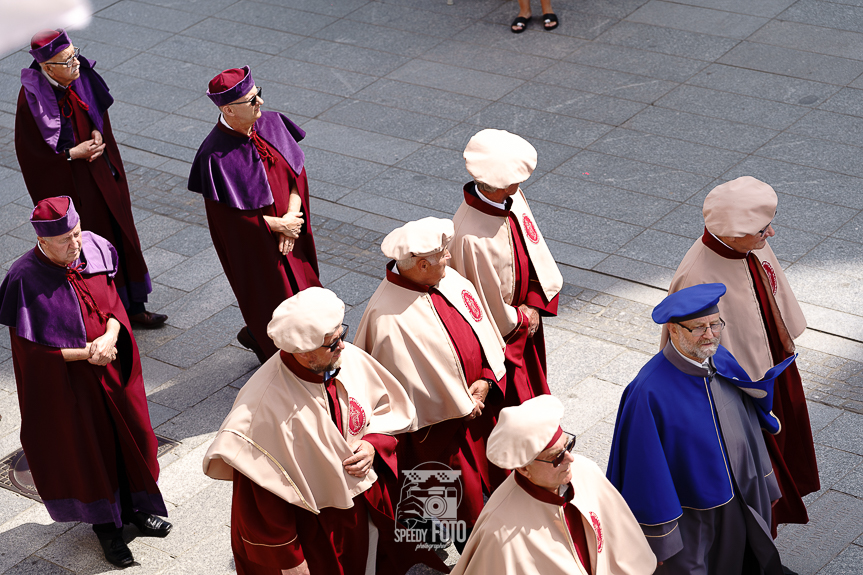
250	171
85	425
65	145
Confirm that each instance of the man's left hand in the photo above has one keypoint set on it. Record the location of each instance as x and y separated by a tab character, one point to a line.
103	349
286	244
360	463
478	391
532	316
97	140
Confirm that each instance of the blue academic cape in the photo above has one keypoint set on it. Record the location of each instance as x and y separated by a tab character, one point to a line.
667	452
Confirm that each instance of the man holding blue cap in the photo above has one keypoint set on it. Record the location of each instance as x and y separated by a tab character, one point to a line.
688	454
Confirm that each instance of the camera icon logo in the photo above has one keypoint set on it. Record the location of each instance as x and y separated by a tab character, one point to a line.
430	491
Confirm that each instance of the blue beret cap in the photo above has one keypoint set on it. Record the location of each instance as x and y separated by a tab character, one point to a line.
689	303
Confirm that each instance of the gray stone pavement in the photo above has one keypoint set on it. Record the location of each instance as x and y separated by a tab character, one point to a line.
637	109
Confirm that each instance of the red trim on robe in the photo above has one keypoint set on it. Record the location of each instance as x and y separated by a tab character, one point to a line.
792	451
101	200
526	372
570	513
260	276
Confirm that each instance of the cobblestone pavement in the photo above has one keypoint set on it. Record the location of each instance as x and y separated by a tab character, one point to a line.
619	102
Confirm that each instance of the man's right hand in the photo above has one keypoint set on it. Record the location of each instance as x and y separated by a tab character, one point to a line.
301	569
87	150
533	316
290	224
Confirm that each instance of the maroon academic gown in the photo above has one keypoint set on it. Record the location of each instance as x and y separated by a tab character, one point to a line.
457	443
334	542
792	450
570	514
526	372
259	274
101	198
75	416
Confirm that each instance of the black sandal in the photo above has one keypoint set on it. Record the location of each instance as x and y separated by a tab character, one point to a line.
550	18
522	22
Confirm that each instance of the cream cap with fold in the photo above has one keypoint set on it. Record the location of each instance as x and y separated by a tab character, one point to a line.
301	322
524	431
499	158
740	207
418	238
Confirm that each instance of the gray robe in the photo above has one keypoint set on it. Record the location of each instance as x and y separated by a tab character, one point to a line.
714	541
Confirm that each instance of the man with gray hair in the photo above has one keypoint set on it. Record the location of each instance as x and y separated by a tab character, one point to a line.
309	446
497	245
426	326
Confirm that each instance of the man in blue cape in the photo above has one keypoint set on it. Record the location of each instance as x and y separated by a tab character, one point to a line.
688	454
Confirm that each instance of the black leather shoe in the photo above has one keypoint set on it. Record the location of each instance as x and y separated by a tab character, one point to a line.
150	525
116	551
246	340
148	319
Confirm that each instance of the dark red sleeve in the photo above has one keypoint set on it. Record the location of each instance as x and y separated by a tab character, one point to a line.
536	298
46	172
385	450
516	340
265	525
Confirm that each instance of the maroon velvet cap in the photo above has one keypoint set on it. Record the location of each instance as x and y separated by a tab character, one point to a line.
54	216
230	85
48	43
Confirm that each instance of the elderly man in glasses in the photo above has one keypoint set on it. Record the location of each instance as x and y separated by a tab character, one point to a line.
688	453
65	146
426	326
309	446
250	171
763	318
556	514
85	425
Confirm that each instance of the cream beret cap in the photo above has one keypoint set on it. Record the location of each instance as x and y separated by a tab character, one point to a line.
301	322
418	238
740	207
523	432
499	158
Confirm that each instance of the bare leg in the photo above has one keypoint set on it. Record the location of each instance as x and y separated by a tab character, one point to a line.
523	12
546	9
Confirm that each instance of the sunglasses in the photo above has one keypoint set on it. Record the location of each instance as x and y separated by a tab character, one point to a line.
568	449
335	345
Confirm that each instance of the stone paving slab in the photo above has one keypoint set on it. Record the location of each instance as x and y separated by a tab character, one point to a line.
637	109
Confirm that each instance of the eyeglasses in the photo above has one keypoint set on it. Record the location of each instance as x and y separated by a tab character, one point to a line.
762	233
568	449
251	102
67	63
716	328
335	345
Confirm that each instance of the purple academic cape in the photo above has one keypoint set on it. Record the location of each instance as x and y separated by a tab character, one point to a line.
223	162
41	304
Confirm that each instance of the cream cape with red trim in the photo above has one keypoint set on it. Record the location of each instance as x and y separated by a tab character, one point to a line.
482	252
518	534
280	434
402	330
745	334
